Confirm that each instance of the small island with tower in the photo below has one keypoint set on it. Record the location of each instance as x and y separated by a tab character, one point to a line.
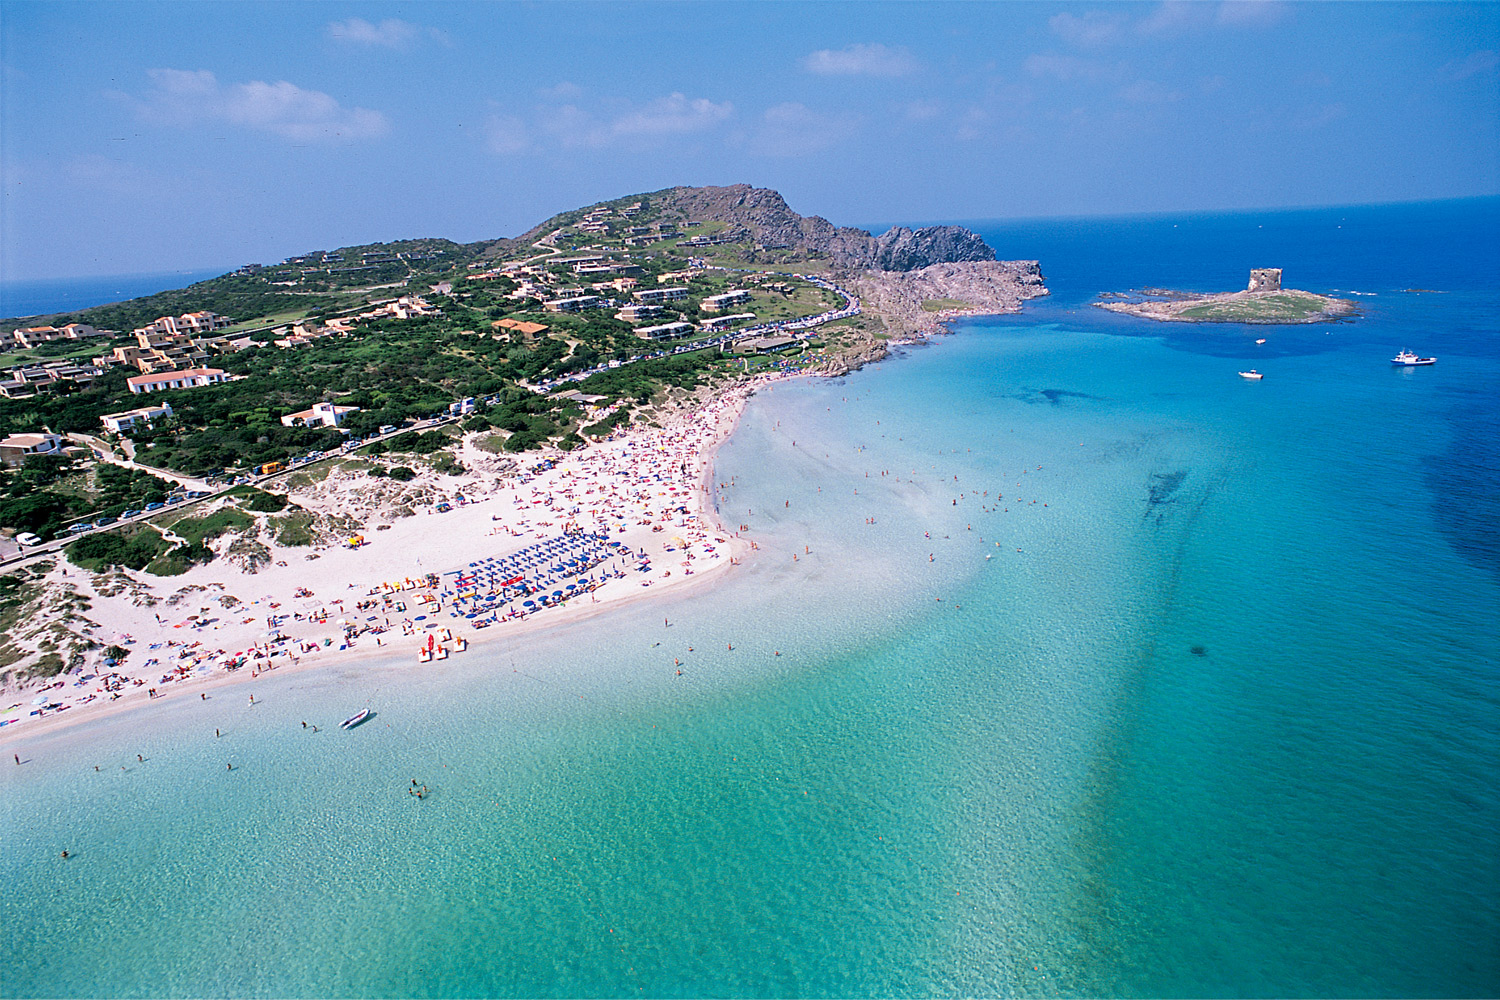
1263	301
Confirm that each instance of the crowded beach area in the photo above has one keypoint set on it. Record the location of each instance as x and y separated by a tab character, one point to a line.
565	536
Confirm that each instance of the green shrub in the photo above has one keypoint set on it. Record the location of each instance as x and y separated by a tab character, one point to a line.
115	548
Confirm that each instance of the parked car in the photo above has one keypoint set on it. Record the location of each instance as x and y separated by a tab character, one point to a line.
79	529
131	513
155	506
27	538
195	494
103	521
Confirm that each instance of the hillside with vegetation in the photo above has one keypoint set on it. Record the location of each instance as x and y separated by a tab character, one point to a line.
429	329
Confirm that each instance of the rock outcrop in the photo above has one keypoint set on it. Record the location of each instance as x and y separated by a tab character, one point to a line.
762	218
918	302
902	249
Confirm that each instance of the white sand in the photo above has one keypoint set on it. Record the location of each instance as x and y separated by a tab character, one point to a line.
634	488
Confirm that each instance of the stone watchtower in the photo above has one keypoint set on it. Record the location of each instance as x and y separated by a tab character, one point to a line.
1265	279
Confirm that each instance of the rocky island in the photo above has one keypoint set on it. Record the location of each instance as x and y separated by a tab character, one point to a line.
1263	301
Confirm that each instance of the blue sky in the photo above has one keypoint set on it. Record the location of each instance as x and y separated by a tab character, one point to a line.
142	137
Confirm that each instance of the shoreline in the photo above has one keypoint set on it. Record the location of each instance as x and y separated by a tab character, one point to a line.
683	511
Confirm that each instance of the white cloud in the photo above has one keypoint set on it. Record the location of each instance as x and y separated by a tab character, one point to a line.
184	98
860	60
1312	118
674	114
1253	13
561	91
919	111
1069	68
1482	61
794	129
390	33
507	135
1174	16
1094	27
570	126
1147	92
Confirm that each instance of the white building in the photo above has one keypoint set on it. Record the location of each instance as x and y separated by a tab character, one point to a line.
573	304
321	413
187	378
666	331
17	448
714	303
716	323
119	423
635	312
658	295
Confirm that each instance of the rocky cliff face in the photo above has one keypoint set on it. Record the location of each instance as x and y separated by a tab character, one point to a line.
765	216
902	249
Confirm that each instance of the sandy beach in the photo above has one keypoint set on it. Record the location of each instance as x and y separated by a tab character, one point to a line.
637	511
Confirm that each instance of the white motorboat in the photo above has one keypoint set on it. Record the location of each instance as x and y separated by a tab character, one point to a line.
1252	374
355	720
1408	359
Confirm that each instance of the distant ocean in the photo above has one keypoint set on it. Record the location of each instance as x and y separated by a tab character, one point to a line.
1102	672
39	298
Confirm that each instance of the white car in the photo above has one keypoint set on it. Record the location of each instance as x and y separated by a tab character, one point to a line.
27	538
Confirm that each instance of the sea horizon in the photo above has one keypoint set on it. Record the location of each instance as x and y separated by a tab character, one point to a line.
26	298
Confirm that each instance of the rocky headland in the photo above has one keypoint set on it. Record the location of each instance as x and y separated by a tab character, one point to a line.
917	302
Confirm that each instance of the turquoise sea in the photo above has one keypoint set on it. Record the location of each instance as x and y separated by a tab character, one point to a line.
1145	681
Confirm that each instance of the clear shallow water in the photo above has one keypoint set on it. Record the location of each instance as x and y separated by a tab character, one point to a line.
1032	786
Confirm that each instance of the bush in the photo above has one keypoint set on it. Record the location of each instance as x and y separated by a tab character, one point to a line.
294	529
262	502
402	474
179	559
113	548
197	530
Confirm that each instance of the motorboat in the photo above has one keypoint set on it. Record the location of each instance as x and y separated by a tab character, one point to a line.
1409	359
355	720
1252	374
